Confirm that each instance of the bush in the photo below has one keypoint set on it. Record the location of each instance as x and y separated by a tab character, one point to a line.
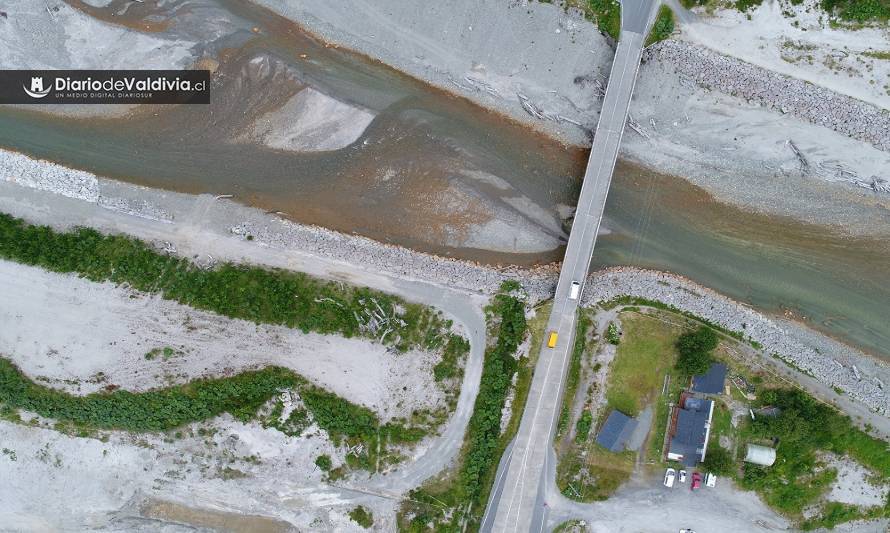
694	348
582	426
155	410
250	293
362	516
719	460
324	462
607	14
612	335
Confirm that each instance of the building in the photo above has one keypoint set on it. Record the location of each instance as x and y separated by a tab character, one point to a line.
690	429
616	431
760	455
711	382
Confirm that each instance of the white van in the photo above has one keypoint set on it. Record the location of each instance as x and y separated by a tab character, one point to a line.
710	480
669	476
575	291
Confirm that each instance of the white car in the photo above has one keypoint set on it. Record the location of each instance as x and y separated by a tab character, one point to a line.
575	290
682	476
710	480
669	476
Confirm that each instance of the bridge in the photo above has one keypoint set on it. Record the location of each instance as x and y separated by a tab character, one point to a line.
518	499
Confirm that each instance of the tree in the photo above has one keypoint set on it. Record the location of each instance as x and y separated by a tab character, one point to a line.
695	349
719	461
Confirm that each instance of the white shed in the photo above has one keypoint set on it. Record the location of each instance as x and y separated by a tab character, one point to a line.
760	455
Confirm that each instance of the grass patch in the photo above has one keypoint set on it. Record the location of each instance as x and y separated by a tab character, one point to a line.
459	501
594	477
573	377
858	11
362	516
663	26
646	353
250	293
880	54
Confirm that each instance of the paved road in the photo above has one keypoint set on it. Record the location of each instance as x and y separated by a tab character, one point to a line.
518	499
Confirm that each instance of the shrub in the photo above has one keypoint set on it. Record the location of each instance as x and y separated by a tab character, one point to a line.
362	516
694	348
719	461
612	334
324	462
582	426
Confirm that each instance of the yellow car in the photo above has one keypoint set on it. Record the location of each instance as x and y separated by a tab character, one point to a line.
551	341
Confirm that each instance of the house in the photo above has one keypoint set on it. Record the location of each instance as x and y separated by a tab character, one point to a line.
690	429
711	382
616	431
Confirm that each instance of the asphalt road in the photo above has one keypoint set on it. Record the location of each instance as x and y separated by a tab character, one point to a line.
518	501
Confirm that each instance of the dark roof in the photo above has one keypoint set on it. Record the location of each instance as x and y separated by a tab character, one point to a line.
689	434
615	432
712	381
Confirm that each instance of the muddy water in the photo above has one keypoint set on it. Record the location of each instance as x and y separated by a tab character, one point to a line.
837	284
392	183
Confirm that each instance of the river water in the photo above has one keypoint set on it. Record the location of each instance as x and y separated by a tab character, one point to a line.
457	169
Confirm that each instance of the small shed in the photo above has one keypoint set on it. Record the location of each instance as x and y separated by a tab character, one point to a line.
616	431
712	381
760	455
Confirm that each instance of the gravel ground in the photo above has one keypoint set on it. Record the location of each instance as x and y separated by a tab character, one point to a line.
45	314
805	100
831	363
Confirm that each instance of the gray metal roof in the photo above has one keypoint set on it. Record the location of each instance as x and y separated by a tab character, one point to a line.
690	432
712	381
616	431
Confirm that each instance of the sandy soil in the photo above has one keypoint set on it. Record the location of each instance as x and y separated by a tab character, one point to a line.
66	328
803	45
312	121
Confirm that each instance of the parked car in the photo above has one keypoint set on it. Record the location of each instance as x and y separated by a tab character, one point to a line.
710	480
682	476
575	291
669	476
687	530
696	480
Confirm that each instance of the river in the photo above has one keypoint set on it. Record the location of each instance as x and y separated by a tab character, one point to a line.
438	174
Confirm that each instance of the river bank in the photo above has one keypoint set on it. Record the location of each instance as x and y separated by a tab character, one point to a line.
202	225
723	124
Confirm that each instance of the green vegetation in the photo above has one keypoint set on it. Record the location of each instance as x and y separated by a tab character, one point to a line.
362	516
719	460
695	349
251	293
663	26
605	13
582	426
641	362
858	11
573	376
595	476
461	498
324	462
165	353
878	54
804	427
241	395
451	367
572	526
157	410
612	334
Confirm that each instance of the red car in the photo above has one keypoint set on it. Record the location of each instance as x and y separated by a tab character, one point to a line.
696	480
